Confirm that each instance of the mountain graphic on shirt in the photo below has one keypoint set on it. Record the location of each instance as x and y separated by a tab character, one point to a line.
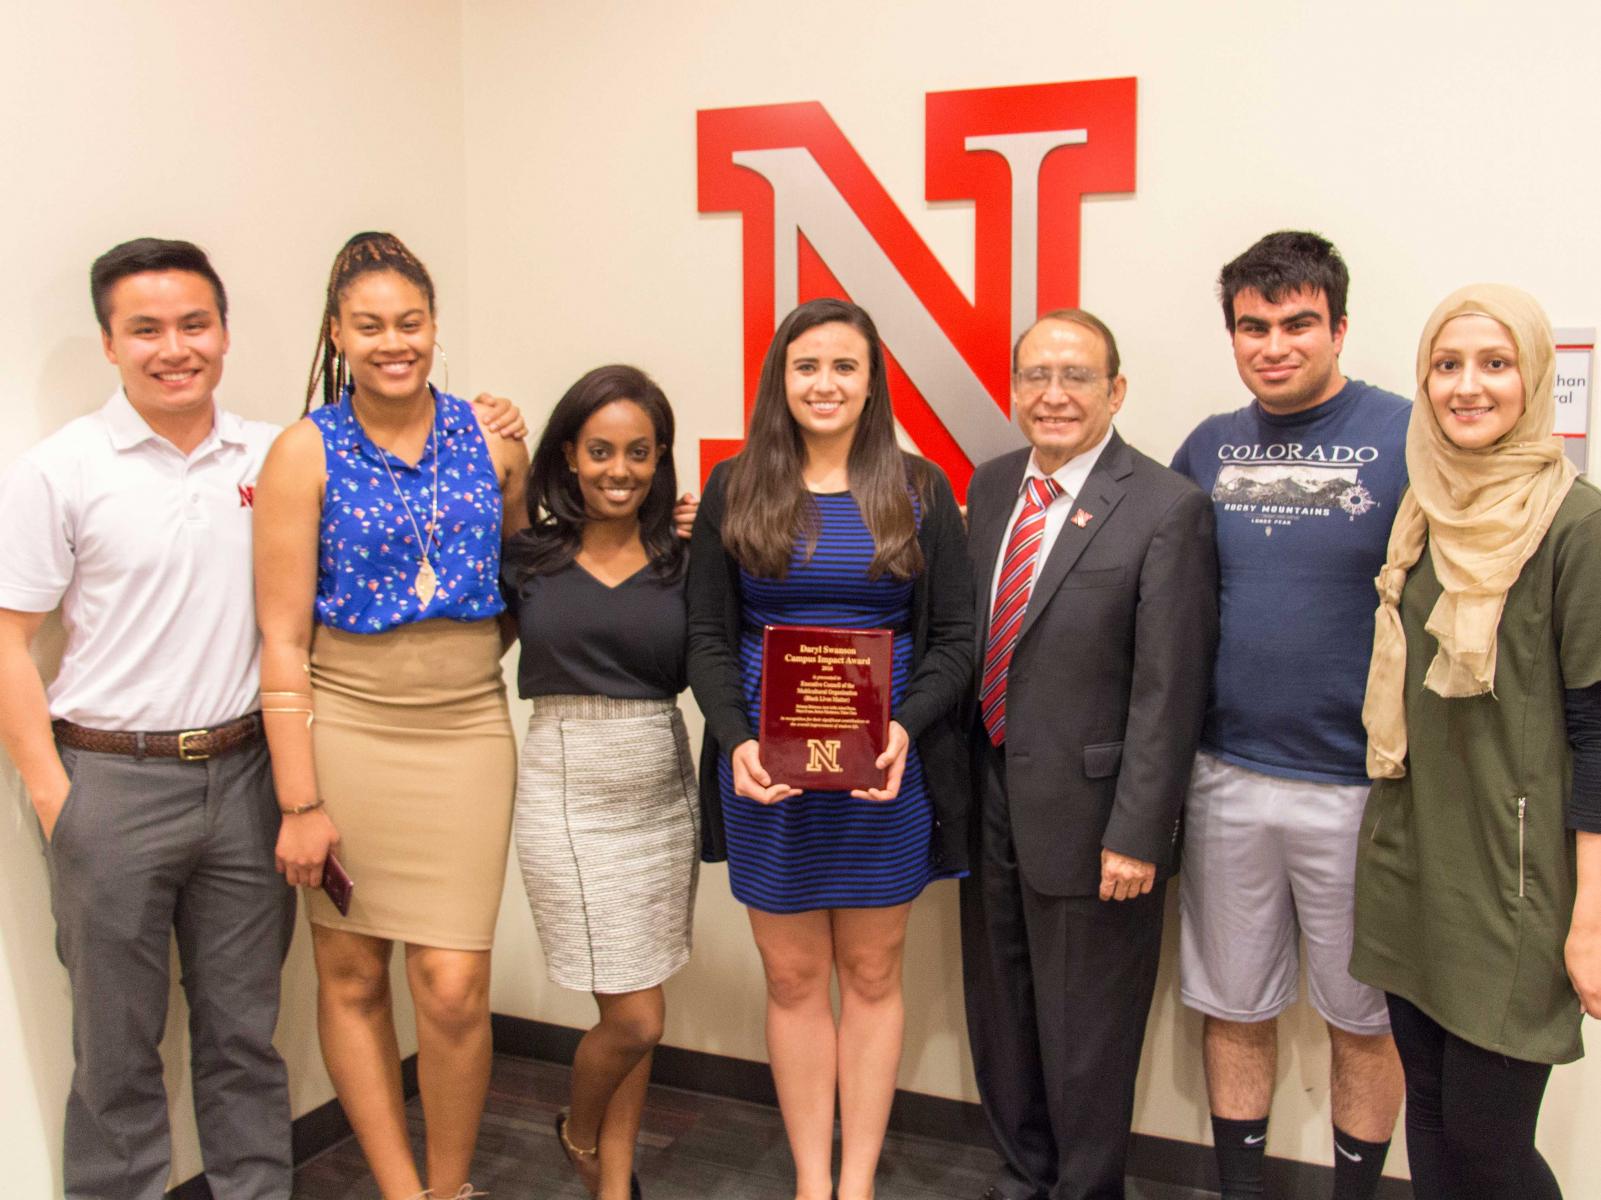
1297	485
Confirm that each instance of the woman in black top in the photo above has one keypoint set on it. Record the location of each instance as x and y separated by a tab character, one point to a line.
606	823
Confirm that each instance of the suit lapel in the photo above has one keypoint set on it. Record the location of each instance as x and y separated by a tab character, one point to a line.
984	538
1089	511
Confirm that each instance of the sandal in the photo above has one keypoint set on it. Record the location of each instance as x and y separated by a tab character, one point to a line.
578	1157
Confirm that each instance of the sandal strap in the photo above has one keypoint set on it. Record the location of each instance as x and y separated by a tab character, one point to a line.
576	1151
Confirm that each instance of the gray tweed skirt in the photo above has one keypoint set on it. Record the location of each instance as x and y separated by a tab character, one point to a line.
607	830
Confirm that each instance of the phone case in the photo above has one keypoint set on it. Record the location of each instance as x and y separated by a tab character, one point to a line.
337	884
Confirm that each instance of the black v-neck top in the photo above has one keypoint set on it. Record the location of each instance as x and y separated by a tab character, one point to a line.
582	638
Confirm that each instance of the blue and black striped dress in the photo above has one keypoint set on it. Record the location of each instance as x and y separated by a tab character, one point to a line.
825	849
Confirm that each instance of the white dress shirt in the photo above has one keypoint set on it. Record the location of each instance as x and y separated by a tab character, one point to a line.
148	552
1070	478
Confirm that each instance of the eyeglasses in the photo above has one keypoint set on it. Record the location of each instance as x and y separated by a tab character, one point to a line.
1032	380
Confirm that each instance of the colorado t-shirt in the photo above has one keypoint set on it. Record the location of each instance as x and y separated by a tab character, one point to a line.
1304	504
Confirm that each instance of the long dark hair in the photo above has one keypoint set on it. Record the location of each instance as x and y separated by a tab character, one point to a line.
556	515
363	254
769	507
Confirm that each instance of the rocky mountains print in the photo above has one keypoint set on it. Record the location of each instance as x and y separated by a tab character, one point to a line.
1295	484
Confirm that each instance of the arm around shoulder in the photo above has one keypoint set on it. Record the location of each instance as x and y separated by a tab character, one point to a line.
712	598
510	457
946	669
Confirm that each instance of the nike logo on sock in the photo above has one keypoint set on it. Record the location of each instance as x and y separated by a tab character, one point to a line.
1259	1139
1347	1153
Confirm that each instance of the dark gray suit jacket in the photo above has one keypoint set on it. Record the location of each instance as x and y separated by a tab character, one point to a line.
1108	684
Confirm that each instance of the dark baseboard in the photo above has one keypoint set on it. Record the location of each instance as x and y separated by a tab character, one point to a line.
690	1070
1159	1159
312	1133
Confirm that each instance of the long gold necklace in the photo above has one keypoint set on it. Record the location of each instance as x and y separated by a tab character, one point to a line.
427	582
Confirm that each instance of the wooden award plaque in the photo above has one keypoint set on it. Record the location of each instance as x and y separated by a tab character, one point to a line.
825	706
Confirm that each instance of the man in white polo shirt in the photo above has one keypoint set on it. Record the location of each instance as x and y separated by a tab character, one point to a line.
153	786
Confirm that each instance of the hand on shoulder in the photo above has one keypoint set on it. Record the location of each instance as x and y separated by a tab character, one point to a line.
496	414
503	434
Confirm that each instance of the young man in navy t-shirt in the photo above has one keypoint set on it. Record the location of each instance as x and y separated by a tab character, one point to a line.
1304	482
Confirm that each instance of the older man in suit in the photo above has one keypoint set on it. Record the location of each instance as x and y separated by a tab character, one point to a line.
1096	578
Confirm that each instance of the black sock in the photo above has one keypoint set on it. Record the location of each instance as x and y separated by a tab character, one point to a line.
1241	1146
1357	1166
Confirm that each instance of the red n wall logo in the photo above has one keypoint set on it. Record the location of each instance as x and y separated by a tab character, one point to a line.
818	223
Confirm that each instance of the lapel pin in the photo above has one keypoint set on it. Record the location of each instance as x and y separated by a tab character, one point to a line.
1081	518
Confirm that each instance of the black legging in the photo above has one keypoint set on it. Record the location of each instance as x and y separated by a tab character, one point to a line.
1470	1115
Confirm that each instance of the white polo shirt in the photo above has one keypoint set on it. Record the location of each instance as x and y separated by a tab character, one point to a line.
147	551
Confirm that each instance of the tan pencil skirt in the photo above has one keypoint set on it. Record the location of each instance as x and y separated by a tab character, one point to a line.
416	761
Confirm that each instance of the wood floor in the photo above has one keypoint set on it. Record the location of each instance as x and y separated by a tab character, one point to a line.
692	1147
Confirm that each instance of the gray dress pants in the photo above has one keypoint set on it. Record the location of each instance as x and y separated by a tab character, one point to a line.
144	848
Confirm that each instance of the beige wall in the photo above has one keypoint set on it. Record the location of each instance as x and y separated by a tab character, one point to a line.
1433	149
541	159
267	133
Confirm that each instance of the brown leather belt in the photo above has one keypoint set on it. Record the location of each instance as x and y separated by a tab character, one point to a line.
190	745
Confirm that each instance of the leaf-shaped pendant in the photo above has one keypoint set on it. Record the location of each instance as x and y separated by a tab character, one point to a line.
427	582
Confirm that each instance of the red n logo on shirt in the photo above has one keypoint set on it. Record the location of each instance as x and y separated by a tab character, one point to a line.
247	495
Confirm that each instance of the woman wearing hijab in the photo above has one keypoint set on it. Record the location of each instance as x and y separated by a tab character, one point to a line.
1478	906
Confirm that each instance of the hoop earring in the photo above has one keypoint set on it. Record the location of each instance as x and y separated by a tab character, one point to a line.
439	353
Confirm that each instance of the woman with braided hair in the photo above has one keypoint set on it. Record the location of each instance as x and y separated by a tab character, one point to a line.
379	519
1478	880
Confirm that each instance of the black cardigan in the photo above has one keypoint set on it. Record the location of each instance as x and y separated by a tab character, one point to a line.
942	663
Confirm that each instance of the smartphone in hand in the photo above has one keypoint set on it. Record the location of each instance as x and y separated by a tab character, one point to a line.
337	884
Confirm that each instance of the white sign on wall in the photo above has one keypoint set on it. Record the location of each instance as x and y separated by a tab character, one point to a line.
1575	353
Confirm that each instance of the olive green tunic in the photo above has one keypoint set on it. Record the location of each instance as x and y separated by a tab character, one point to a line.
1465	871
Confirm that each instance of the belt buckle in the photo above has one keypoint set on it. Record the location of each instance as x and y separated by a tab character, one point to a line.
185	753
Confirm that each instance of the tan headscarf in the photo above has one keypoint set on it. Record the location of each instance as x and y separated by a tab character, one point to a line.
1482	513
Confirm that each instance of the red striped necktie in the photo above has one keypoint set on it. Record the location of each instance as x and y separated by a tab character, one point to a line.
1011	602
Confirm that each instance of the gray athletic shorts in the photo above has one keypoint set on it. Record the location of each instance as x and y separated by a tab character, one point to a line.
1266	859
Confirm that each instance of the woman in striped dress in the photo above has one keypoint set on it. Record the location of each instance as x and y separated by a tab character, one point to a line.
823	520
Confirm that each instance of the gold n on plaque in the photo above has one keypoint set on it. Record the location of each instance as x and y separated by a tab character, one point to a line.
823	756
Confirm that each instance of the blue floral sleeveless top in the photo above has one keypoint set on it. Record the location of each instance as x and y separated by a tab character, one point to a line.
368	556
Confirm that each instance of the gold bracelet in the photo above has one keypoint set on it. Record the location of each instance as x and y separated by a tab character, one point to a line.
301	809
287	708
